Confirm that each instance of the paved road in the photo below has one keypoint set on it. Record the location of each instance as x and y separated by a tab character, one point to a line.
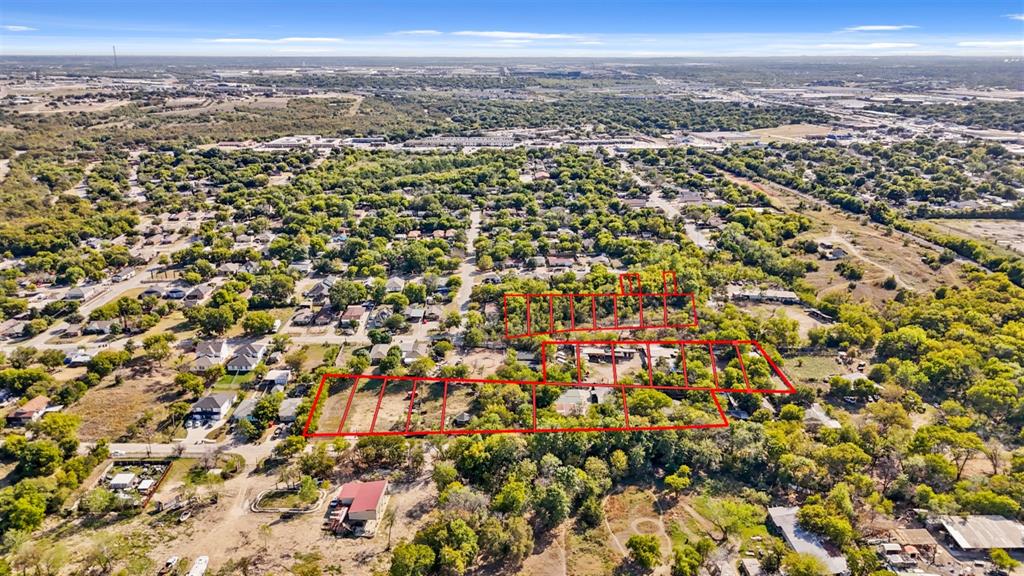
467	270
251	452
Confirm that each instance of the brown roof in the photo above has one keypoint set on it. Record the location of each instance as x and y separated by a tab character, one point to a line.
32	406
914	537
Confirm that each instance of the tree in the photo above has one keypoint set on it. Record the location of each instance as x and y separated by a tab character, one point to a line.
1003	560
591	512
308	491
679	481
51	358
345	293
157	346
190	384
798	564
729	514
258	323
410	559
686	561
177	411
97	501
645	550
551	506
511	499
40	458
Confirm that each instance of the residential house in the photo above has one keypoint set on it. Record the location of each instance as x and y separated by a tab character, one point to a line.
378	352
560	262
28	412
415	314
175	293
78	358
783	518
98	327
213	407
303	267
289	410
279	377
210	353
321	291
433	313
413	351
740	293
244	409
79	293
198	294
577	400
352	314
247	357
394	284
365	501
378	317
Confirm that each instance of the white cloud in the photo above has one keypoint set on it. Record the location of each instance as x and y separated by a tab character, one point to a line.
868	46
502	34
990	43
1015	16
418	33
289	40
14	28
880	28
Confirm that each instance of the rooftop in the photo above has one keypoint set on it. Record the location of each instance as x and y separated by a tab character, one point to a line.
984	532
803	541
363	496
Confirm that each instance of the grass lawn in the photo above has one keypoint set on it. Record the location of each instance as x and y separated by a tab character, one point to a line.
283	499
810	370
232	382
179	470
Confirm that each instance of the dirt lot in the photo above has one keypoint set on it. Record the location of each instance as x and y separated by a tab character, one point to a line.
1004	233
229	530
879	254
791	132
108	410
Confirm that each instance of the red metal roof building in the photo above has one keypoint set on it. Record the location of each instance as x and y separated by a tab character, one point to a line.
364	500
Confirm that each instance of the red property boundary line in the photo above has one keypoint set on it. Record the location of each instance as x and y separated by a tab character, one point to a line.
630	288
444	429
358	379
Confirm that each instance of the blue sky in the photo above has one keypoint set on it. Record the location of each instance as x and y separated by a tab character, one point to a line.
640	28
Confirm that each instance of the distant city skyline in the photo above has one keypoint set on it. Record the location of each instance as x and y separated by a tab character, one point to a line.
525	28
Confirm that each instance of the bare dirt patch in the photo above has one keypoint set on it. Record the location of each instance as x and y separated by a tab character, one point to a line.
1008	234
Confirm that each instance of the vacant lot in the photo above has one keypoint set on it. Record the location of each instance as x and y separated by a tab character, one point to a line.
791	132
107	411
1007	234
879	252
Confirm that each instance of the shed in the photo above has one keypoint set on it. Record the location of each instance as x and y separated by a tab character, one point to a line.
122	481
